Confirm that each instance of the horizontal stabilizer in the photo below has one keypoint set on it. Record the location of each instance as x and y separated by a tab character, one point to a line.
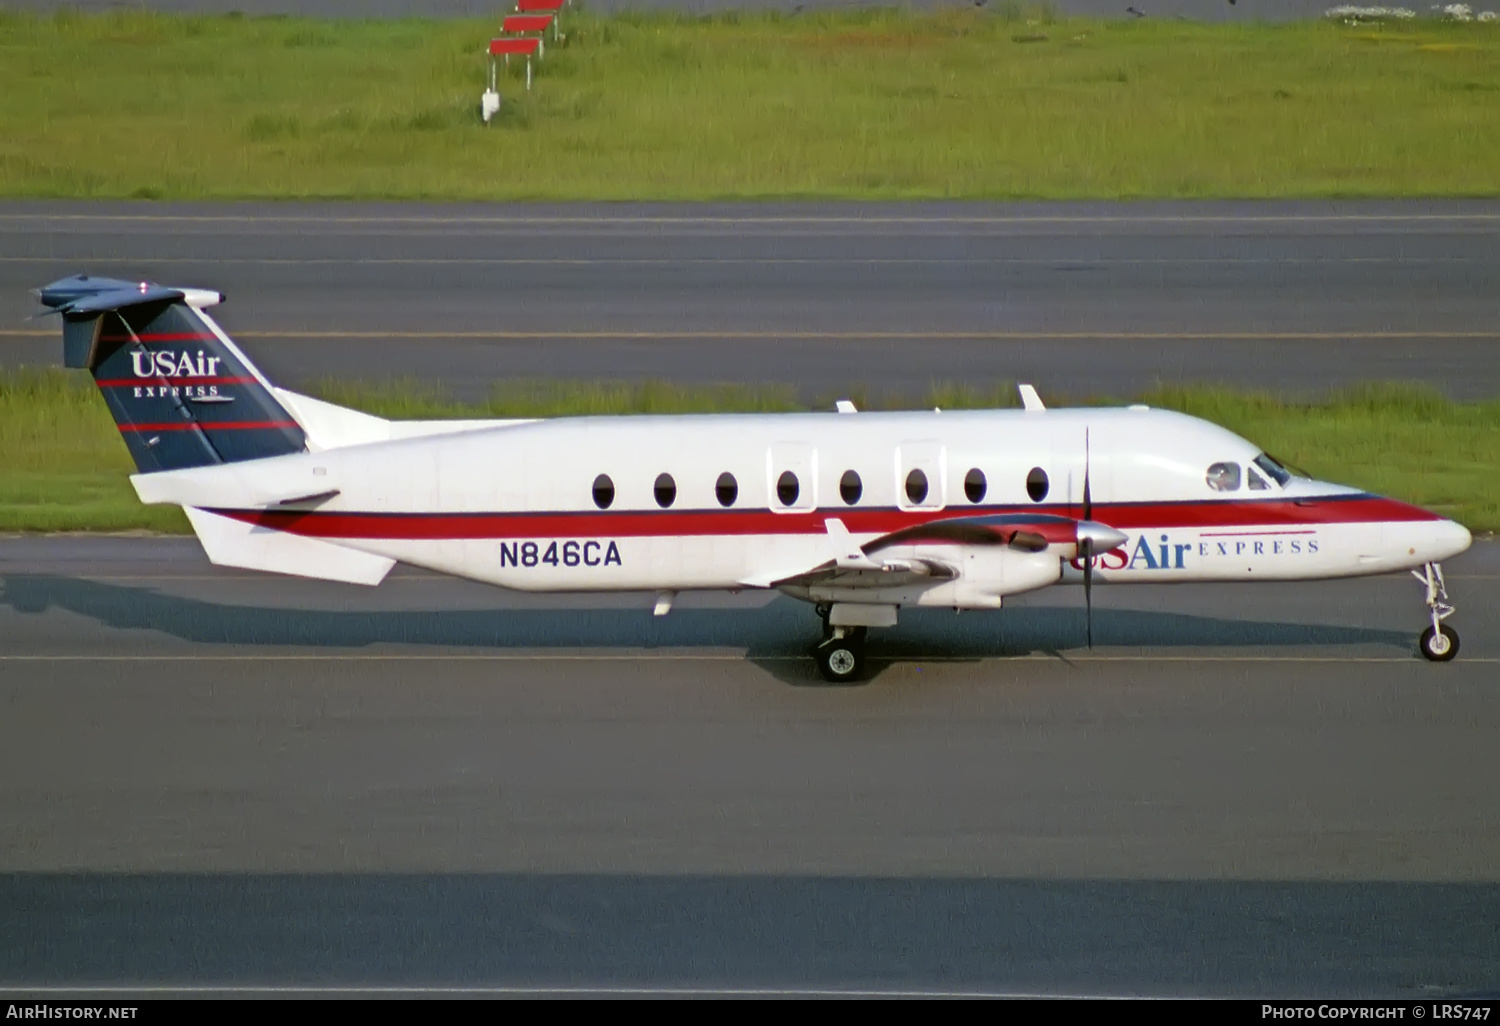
231	542
255	484
120	299
85	296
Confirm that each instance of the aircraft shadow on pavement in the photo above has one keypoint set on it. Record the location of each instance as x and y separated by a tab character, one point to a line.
771	632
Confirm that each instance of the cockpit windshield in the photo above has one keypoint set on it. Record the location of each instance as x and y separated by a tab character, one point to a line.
1273	469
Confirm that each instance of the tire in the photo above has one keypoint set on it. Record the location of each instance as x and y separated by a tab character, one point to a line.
1439	648
841	661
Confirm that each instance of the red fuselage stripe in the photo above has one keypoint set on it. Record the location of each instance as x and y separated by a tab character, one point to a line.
666	523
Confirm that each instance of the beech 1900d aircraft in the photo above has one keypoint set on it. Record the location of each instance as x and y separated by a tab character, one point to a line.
858	513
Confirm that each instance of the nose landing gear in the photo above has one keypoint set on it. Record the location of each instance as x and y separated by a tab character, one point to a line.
1439	642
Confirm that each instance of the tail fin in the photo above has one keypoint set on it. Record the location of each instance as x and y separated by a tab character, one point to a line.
181	392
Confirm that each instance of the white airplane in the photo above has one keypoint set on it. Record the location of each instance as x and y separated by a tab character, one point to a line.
858	513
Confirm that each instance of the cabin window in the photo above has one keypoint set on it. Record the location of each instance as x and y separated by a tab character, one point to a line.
1224	477
975	485
1275	471
666	490
850	488
916	487
726	489
604	491
787	488
1037	484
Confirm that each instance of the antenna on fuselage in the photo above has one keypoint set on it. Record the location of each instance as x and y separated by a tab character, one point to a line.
1030	401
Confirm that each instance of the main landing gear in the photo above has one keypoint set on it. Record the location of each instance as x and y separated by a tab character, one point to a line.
841	654
1439	642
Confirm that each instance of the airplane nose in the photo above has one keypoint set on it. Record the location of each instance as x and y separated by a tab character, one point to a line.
1450	539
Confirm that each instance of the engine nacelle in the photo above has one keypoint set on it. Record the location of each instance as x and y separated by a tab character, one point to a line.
980	577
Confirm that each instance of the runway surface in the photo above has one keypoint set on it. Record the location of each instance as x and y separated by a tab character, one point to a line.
1197	10
1099	299
214	778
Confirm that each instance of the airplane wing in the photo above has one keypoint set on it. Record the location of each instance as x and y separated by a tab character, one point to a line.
893	573
863	566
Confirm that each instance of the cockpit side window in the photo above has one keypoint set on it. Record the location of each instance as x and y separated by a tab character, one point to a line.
1224	477
1275	471
1256	482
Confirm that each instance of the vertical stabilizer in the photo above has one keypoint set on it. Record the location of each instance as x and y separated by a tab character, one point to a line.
182	394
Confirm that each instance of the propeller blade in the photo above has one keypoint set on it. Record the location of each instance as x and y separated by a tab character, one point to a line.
1086	550
1088	501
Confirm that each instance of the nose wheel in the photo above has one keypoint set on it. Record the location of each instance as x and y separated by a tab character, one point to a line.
1439	642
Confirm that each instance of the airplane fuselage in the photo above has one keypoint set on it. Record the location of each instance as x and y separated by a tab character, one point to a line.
859	513
726	501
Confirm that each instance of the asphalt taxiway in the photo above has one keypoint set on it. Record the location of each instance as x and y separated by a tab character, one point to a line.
1089	299
215	778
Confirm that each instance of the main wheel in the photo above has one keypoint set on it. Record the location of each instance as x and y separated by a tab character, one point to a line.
841	660
1439	646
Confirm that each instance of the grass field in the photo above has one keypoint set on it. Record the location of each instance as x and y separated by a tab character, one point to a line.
63	466
961	103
